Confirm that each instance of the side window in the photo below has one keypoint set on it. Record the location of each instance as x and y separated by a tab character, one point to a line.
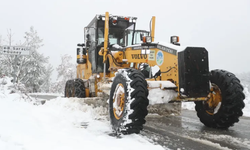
129	37
137	36
100	35
92	34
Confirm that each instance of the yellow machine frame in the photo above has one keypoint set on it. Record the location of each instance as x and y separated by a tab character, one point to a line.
169	64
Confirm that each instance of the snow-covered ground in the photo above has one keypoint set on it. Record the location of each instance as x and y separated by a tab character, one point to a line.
64	124
52	94
59	124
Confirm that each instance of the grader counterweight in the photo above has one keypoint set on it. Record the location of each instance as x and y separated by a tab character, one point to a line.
134	71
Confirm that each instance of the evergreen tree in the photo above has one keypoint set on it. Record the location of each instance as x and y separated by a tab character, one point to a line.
31	70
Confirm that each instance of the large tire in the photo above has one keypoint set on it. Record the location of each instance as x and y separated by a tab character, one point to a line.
75	88
128	101
229	102
67	90
79	88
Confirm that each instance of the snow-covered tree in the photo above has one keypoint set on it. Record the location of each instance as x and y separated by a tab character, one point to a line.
30	69
45	87
66	71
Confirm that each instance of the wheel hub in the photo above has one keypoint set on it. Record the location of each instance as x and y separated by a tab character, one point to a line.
213	104
118	101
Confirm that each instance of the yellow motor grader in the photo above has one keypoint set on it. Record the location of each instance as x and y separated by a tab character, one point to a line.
133	70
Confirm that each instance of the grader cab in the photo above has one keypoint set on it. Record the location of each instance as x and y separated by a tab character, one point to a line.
133	70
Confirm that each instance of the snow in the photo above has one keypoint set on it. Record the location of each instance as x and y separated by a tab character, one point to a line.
246	110
188	105
161	84
169	45
129	111
158	96
63	124
156	93
51	94
236	141
59	124
117	46
206	142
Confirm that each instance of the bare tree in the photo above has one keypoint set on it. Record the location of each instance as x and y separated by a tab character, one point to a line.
66	70
10	37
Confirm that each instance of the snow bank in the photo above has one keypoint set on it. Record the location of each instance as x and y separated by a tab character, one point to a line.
59	124
246	110
52	94
5	83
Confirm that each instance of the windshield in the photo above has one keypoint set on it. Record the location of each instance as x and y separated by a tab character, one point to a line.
116	35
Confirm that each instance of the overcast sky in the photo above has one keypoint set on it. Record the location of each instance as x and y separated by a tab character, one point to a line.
221	26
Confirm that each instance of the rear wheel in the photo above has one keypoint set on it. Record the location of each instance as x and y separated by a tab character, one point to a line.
79	88
67	90
128	101
225	105
74	88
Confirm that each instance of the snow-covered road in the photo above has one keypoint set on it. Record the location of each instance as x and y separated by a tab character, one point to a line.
60	124
187	132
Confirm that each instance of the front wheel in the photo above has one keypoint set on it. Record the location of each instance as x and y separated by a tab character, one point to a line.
225	105
128	101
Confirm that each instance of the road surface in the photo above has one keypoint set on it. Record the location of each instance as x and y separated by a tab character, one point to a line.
186	132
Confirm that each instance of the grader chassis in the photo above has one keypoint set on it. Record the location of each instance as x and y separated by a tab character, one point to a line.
132	70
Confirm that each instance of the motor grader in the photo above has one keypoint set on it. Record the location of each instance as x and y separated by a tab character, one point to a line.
129	67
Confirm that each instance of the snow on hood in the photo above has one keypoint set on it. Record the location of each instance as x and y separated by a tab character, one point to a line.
169	45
